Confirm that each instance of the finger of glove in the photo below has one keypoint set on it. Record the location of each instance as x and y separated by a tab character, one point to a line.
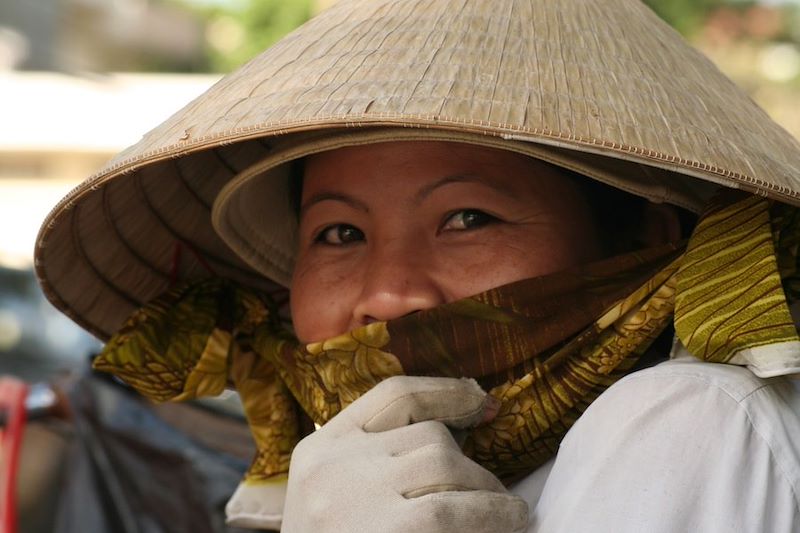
407	439
402	400
338	446
439	468
475	511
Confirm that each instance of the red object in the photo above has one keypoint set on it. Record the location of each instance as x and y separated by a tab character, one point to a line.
12	405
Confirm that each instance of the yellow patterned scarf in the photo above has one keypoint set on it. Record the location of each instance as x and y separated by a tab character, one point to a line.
545	347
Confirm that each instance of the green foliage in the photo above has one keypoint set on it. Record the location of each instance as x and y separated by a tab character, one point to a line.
688	16
266	21
238	31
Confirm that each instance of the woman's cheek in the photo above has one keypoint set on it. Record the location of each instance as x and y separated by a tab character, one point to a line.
501	259
321	292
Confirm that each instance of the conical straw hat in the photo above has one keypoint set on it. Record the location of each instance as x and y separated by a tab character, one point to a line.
603	86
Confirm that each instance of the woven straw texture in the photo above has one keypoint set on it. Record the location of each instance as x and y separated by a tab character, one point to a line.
600	77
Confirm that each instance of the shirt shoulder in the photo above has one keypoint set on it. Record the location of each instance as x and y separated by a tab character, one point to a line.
735	381
767	409
684	445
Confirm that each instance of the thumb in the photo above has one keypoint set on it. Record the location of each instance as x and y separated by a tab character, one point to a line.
402	400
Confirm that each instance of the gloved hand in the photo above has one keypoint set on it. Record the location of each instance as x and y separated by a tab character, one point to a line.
388	463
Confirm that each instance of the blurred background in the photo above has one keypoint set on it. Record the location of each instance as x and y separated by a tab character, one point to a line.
82	79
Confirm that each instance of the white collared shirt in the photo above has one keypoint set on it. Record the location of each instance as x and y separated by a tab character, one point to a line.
678	447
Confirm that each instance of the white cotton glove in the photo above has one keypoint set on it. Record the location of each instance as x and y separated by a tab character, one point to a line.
387	463
257	505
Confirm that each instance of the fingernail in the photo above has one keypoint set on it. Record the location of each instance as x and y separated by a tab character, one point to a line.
491	408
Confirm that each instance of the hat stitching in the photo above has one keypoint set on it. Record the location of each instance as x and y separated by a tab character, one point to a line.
78	244
112	223
188	187
218	261
56	298
224	162
58	301
177	236
299	93
117	291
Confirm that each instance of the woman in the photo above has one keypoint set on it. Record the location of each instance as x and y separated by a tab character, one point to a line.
383	233
422	177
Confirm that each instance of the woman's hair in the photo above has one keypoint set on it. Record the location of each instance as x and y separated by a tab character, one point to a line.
296	172
618	215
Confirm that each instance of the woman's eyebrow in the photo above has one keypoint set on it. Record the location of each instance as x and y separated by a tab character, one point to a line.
337	197
426	191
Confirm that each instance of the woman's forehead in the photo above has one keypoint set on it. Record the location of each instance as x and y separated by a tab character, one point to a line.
420	161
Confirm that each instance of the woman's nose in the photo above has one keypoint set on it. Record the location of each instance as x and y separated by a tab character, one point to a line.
398	280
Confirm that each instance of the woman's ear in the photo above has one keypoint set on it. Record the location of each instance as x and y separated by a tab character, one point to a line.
660	224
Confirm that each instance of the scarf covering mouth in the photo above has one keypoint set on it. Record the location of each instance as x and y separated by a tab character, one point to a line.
545	347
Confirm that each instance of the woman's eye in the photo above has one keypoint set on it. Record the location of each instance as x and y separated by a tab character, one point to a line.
338	234
467	219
